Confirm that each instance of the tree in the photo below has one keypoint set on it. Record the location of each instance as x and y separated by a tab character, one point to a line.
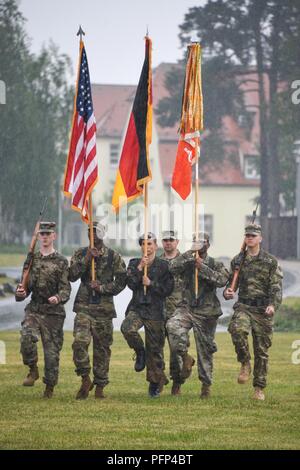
261	36
33	127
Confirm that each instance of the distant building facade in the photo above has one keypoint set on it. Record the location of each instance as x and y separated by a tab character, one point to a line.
227	191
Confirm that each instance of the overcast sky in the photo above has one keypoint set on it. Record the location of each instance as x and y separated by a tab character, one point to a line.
114	32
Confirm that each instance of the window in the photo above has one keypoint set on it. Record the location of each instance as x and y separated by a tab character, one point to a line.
242	120
114	154
251	167
206	225
74	234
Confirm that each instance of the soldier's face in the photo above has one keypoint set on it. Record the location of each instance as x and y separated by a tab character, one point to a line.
46	239
151	247
97	240
253	240
169	245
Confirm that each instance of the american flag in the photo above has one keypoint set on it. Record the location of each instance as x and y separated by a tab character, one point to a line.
81	173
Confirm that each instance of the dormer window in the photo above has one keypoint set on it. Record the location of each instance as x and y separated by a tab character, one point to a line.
251	167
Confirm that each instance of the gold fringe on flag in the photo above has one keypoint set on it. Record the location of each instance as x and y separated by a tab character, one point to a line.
191	122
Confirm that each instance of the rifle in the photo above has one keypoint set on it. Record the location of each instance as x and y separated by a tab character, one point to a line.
241	257
29	259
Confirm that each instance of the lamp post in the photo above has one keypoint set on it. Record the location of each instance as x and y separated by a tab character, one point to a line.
297	157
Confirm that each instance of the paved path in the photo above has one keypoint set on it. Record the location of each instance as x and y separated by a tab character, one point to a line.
11	312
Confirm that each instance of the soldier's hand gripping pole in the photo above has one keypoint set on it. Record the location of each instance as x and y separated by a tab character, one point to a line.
28	262
241	257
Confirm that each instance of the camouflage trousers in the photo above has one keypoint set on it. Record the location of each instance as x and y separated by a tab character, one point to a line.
204	329
154	343
173	357
261	325
173	360
50	329
86	328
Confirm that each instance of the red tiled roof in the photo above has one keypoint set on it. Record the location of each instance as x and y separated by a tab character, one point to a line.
112	104
226	173
159	92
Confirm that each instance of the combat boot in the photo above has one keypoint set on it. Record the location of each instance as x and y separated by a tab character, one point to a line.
258	394
164	381
205	391
153	390
86	387
48	393
31	377
244	373
99	392
140	360
176	389
188	362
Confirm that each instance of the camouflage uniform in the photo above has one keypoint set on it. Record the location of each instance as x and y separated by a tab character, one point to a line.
171	303
201	317
148	312
94	320
176	296
48	277
260	285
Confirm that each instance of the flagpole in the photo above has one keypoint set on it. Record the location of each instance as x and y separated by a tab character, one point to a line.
146	229
196	212
92	242
80	33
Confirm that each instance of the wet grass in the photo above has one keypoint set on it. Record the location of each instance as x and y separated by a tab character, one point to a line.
128	419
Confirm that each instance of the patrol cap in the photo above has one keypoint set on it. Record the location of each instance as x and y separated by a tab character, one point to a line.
150	236
253	229
169	235
100	229
47	227
201	236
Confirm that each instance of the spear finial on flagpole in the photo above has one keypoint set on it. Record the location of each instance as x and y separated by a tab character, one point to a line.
80	32
194	39
147	32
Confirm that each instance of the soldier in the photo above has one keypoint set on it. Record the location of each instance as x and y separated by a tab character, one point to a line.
170	243
201	314
95	310
45	313
147	310
260	294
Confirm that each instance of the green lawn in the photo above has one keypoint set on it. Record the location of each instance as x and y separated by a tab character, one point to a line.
128	419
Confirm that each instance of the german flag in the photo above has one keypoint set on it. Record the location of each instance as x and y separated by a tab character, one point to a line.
134	167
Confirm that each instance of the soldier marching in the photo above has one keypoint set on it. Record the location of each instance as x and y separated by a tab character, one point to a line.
163	302
259	296
44	315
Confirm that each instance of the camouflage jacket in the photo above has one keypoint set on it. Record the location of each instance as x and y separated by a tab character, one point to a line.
260	280
212	274
48	277
174	299
151	306
110	272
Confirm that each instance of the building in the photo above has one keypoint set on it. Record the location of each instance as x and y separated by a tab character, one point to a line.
227	190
